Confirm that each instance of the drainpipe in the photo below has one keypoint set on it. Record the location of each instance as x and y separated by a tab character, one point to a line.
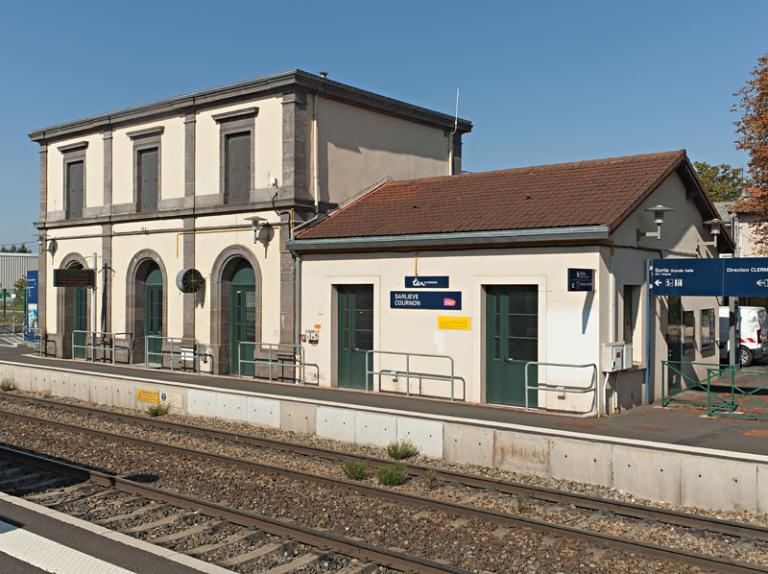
297	299
315	156
611	323
648	310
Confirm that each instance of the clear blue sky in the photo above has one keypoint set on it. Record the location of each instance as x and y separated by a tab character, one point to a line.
543	81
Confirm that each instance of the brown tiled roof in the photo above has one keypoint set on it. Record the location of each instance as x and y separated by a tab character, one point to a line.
597	192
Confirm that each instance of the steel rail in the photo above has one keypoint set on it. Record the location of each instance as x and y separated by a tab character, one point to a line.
652	550
617	507
316	538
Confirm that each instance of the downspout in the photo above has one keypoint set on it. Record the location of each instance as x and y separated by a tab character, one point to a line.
315	156
648	311
611	326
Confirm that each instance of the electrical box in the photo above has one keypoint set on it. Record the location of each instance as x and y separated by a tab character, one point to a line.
613	357
628	356
311	336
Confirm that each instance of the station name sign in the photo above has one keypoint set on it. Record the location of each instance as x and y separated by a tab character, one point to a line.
424	282
743	276
74	278
450	300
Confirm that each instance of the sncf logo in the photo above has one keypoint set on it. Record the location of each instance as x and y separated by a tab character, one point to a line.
448	302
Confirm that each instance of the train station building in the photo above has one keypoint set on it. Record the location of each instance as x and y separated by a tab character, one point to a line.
181	210
480	286
297	225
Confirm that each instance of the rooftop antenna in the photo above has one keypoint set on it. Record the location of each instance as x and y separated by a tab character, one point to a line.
451	166
456	114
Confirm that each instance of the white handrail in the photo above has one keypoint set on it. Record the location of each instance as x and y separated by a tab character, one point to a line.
451	377
547	387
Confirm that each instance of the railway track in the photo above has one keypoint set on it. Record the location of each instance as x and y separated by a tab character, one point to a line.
231	538
743	532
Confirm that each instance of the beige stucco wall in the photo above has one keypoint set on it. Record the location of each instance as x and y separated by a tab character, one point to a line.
171	160
267	143
746	237
358	148
94	172
568	322
683	234
166	239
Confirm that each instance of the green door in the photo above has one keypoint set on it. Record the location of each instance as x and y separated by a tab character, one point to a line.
674	343
355	324
243	317
153	315
511	340
80	323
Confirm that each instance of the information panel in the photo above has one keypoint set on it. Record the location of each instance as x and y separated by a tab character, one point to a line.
739	277
74	278
425	300
581	279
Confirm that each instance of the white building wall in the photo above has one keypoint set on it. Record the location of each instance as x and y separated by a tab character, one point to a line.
94	171
568	322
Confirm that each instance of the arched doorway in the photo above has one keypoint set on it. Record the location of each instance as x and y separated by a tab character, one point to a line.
239	298
235	306
73	314
146	307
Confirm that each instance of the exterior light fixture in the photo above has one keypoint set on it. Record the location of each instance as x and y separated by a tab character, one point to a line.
714	229
658	218
263	232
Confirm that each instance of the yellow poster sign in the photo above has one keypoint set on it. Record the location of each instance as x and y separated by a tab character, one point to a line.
147	396
454	323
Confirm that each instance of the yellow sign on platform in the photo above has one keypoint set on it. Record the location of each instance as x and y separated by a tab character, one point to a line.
147	396
454	323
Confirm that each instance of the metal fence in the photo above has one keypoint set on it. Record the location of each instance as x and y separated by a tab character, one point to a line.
721	390
275	362
561	389
175	354
405	371
100	346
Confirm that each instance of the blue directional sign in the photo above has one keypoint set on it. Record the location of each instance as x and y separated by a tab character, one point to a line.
745	277
687	277
424	282
449	300
32	286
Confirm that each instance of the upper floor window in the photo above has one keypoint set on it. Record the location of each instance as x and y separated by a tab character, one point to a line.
236	154
146	168
74	179
237	171
147	179
75	182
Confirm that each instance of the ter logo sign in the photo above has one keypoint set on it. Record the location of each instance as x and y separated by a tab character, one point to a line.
424	282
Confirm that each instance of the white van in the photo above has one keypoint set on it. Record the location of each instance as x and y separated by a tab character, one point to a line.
753	334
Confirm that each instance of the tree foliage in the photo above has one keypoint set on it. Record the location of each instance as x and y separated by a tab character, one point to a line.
721	182
20	248
752	130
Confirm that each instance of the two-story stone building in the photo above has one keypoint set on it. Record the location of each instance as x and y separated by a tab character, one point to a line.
215	182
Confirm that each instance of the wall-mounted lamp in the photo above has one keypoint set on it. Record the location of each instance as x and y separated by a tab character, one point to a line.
714	229
658	218
263	232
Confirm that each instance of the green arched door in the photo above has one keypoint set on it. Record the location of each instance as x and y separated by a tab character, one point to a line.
80	323
153	314
242	313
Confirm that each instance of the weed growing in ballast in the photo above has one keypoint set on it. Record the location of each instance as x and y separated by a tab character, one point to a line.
392	475
7	385
402	449
158	410
355	470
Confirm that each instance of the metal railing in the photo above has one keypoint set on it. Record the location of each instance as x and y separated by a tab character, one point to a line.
540	386
408	374
174	353
101	346
722	390
279	361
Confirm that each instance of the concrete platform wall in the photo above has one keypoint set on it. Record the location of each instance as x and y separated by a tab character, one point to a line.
664	473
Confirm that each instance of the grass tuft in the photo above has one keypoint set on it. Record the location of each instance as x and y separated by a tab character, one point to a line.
158	410
355	470
402	449
7	385
433	480
392	475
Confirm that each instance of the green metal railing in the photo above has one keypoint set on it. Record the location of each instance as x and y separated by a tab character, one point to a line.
722	390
